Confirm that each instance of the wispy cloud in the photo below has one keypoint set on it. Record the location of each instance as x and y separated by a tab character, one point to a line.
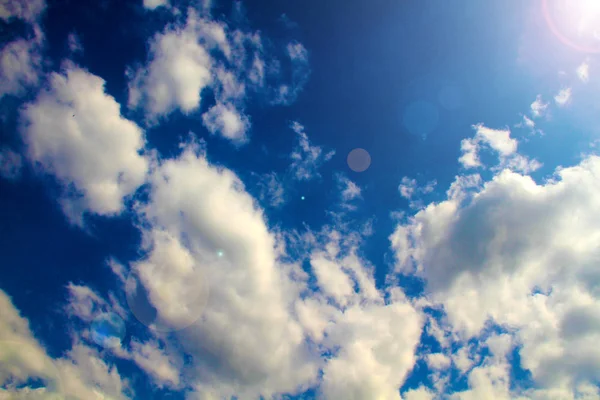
307	158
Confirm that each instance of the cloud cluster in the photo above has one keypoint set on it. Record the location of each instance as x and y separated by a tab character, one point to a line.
307	158
186	61
521	255
80	374
501	143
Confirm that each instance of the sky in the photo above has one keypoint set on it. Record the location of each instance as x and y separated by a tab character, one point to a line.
284	199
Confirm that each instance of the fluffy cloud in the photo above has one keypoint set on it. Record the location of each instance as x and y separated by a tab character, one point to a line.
350	190
81	374
247	314
377	346
518	254
563	97
254	303
538	107
156	362
501	143
306	158
153	4
226	120
74	131
180	67
20	66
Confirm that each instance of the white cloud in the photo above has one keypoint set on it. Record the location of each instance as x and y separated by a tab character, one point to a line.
306	158
258	304
583	72
498	139
483	254
528	122
20	66
80	374
407	187
538	107
350	189
155	361
84	303
180	67
438	361
10	164
74	131
421	393
153	4
563	97
28	10
227	121
230	88
248	311
376	353
470	157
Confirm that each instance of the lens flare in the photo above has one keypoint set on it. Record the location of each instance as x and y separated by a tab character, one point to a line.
576	23
108	329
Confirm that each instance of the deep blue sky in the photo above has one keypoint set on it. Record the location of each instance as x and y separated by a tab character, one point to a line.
404	80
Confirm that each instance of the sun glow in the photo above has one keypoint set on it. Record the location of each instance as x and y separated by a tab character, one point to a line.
576	23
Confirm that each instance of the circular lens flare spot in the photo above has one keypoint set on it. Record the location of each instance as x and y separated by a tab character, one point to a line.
359	160
108	329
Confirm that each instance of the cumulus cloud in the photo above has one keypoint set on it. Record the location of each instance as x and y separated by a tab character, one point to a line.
520	254
226	120
306	158
258	299
11	164
74	131
180	68
563	97
153	4
20	66
193	247
538	107
501	143
81	374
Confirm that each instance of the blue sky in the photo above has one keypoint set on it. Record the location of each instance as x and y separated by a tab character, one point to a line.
299	200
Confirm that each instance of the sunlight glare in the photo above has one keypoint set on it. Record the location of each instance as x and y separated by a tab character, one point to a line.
576	23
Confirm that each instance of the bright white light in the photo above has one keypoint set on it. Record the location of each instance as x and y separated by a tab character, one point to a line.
575	22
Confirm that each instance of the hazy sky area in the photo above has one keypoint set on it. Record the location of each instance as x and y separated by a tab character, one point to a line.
299	199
